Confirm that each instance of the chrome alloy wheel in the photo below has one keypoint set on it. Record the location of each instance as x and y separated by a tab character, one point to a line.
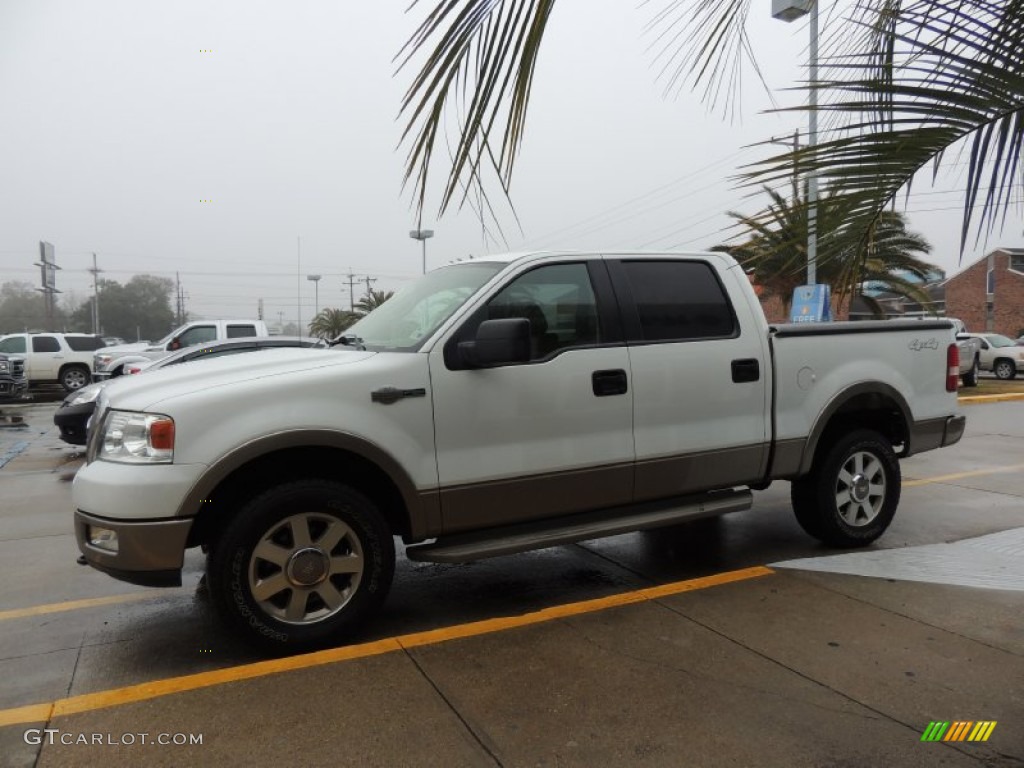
306	568
860	489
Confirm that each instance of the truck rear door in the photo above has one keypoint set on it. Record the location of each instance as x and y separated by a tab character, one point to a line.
700	385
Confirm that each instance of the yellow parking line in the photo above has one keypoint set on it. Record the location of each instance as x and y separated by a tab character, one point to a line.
980	399
35	713
74	605
962	475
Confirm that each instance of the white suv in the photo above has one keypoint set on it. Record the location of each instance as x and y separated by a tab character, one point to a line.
64	358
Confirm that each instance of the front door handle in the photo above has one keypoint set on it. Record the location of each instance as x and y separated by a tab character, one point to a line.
611	382
746	370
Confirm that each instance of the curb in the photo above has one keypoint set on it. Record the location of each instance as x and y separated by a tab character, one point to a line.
982	399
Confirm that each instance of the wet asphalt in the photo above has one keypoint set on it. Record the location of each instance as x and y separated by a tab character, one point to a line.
790	668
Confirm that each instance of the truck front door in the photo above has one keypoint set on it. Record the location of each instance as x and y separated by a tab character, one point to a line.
545	437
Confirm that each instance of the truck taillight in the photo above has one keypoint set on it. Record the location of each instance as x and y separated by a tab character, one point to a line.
952	367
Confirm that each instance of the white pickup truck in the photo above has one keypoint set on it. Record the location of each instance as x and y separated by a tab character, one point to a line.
109	361
497	406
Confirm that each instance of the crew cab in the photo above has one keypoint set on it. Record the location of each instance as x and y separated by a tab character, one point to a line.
62	358
109	362
495	406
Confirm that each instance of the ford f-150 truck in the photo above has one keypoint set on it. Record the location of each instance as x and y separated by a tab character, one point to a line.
496	406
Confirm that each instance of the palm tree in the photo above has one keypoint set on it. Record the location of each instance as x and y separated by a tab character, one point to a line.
905	84
331	323
775	251
371	301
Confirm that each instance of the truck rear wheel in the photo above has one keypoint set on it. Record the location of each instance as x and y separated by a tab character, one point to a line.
74	377
1004	369
851	494
301	565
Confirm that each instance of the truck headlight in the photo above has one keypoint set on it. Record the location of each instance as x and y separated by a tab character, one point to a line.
136	438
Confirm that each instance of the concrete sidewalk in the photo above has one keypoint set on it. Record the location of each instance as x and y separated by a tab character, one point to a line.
789	669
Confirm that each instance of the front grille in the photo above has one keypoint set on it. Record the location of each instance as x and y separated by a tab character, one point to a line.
17	368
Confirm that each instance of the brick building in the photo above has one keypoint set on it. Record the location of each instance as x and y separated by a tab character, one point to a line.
989	294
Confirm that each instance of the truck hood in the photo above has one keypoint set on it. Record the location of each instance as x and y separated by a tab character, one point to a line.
120	350
144	390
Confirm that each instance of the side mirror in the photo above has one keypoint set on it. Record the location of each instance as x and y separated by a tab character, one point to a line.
174	344
984	345
498	342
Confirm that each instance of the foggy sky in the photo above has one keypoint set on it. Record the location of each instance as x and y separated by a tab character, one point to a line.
118	125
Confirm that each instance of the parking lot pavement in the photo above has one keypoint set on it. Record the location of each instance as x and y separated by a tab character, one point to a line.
560	657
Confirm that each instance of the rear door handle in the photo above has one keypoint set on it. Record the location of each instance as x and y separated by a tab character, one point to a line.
611	382
746	370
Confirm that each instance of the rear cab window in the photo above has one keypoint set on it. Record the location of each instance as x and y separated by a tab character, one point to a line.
677	301
241	331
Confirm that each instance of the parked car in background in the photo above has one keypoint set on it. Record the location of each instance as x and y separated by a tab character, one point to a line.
63	358
72	418
970	359
113	341
999	354
12	378
188	335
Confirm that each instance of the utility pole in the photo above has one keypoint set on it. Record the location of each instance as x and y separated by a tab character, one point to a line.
259	309
95	296
351	291
179	298
369	280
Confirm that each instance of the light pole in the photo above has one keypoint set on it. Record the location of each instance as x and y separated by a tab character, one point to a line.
422	235
316	294
790	10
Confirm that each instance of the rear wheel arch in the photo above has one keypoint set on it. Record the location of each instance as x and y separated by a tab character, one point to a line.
874	406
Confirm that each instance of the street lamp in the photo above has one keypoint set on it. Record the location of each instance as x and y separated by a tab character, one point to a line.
422	235
791	10
316	293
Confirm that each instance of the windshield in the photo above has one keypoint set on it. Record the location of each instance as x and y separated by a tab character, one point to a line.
406	320
997	340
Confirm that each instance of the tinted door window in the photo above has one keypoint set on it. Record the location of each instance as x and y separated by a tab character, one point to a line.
241	331
197	335
45	344
679	300
13	344
559	303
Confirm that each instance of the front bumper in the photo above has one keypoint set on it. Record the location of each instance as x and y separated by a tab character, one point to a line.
13	389
73	421
149	552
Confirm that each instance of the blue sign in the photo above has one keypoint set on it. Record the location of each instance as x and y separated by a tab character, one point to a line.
811	304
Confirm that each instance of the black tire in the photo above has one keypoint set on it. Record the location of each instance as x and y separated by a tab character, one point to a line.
1004	369
970	379
264	547
873	491
74	377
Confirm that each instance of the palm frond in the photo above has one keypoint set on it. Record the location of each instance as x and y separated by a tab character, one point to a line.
489	50
943	74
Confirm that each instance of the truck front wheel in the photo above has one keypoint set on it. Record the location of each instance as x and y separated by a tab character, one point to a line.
301	565
851	494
